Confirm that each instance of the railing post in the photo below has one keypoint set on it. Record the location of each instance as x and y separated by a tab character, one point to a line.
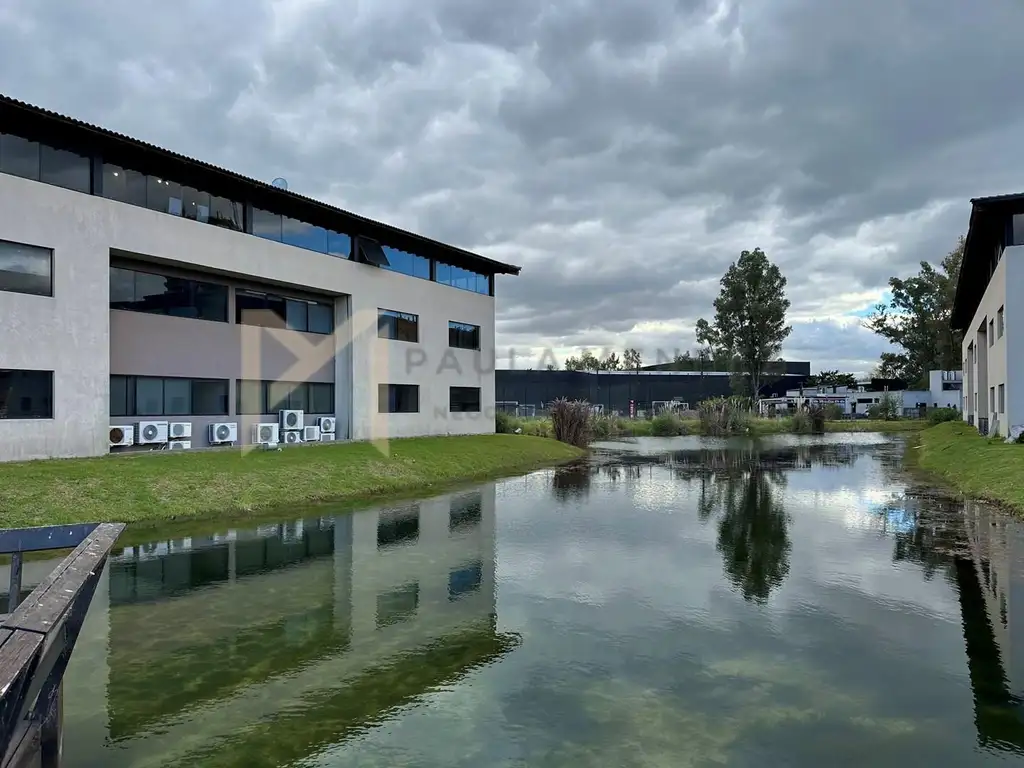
14	595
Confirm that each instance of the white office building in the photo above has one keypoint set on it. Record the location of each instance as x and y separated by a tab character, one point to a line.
150	301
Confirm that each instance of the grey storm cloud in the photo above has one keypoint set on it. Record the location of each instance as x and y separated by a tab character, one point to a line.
623	154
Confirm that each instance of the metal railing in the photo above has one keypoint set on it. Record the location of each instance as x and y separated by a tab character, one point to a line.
39	634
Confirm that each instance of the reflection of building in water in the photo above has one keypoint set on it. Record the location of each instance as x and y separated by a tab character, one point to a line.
192	642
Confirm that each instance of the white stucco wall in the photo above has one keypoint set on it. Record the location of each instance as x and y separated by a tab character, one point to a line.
69	333
1003	361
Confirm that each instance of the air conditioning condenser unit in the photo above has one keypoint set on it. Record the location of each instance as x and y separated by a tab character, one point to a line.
326	423
121	435
151	432
265	434
223	432
292	436
180	430
291	419
311	434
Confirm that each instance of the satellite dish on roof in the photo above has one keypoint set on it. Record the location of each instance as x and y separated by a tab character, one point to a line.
280	183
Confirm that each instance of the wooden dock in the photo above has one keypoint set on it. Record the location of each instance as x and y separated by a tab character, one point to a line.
38	634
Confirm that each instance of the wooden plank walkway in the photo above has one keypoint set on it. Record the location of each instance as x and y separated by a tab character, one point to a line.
38	635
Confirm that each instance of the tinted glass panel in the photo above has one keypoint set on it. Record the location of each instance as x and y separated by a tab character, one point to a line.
321	318
195	204
125	185
266	225
26	394
226	213
464	399
261	309
177	397
463	335
65	169
321	398
299	398
399	326
250	397
339	245
304	235
210	397
1017	229
162	295
278	395
163	195
119	396
457	277
297	315
149	396
26	269
19	157
407	263
398	398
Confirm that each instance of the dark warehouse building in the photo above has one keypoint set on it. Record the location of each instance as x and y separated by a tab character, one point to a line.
614	390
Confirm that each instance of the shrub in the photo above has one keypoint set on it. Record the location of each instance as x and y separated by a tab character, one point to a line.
833	412
505	423
725	416
535	427
940	415
886	409
571	422
602	427
800	422
667	425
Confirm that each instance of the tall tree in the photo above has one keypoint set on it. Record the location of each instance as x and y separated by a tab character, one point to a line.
917	321
587	361
750	316
832	379
632	359
611	363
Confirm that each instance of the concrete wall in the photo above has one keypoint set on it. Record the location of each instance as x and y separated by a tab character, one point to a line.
1002	361
945	398
70	333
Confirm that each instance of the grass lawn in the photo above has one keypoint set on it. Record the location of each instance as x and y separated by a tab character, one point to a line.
976	466
181	485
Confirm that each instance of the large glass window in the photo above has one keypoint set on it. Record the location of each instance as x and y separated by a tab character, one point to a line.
407	263
399	326
225	213
19	157
266	225
457	277
161	295
321	318
163	195
151	396
464	399
398	398
339	244
124	184
65	169
271	311
26	269
26	394
195	204
463	335
304	235
268	397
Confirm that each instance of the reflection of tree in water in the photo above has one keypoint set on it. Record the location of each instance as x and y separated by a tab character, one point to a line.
572	483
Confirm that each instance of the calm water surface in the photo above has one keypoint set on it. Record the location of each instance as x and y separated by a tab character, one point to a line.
676	603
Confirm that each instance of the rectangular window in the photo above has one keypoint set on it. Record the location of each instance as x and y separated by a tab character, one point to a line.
254	398
65	169
225	213
463	335
267	225
19	157
26	269
398	398
992	399
163	195
339	244
124	184
464	279
398	326
155	294
991	332
407	263
1002	398
303	235
151	396
464	399
268	310
999	323
195	204
26	394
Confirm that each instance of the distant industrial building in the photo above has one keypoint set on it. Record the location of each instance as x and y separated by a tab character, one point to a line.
526	391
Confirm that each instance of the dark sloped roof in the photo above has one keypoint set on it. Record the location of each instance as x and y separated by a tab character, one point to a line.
985	233
53	128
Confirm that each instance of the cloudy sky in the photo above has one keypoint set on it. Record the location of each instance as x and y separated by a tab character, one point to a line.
622	153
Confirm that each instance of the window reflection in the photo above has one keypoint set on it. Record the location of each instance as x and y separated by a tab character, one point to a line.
339	244
397	605
407	263
303	235
160	295
465	580
464	279
163	195
19	157
195	204
65	169
398	526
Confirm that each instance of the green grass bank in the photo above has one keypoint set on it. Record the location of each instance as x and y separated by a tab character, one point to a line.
612	427
979	467
158	487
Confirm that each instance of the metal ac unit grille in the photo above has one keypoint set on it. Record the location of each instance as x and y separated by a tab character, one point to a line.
266	434
150	432
291	419
117	435
223	432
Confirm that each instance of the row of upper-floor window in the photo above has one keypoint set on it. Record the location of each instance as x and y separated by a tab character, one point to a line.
179	396
138	291
404	326
40	162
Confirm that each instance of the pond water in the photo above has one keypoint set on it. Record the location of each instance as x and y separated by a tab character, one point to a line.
673	603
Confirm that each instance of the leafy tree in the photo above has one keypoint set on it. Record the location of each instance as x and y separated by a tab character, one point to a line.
587	361
632	359
750	316
611	363
917	321
832	379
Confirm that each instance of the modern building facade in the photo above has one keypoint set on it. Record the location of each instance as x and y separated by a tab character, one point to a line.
989	312
138	285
